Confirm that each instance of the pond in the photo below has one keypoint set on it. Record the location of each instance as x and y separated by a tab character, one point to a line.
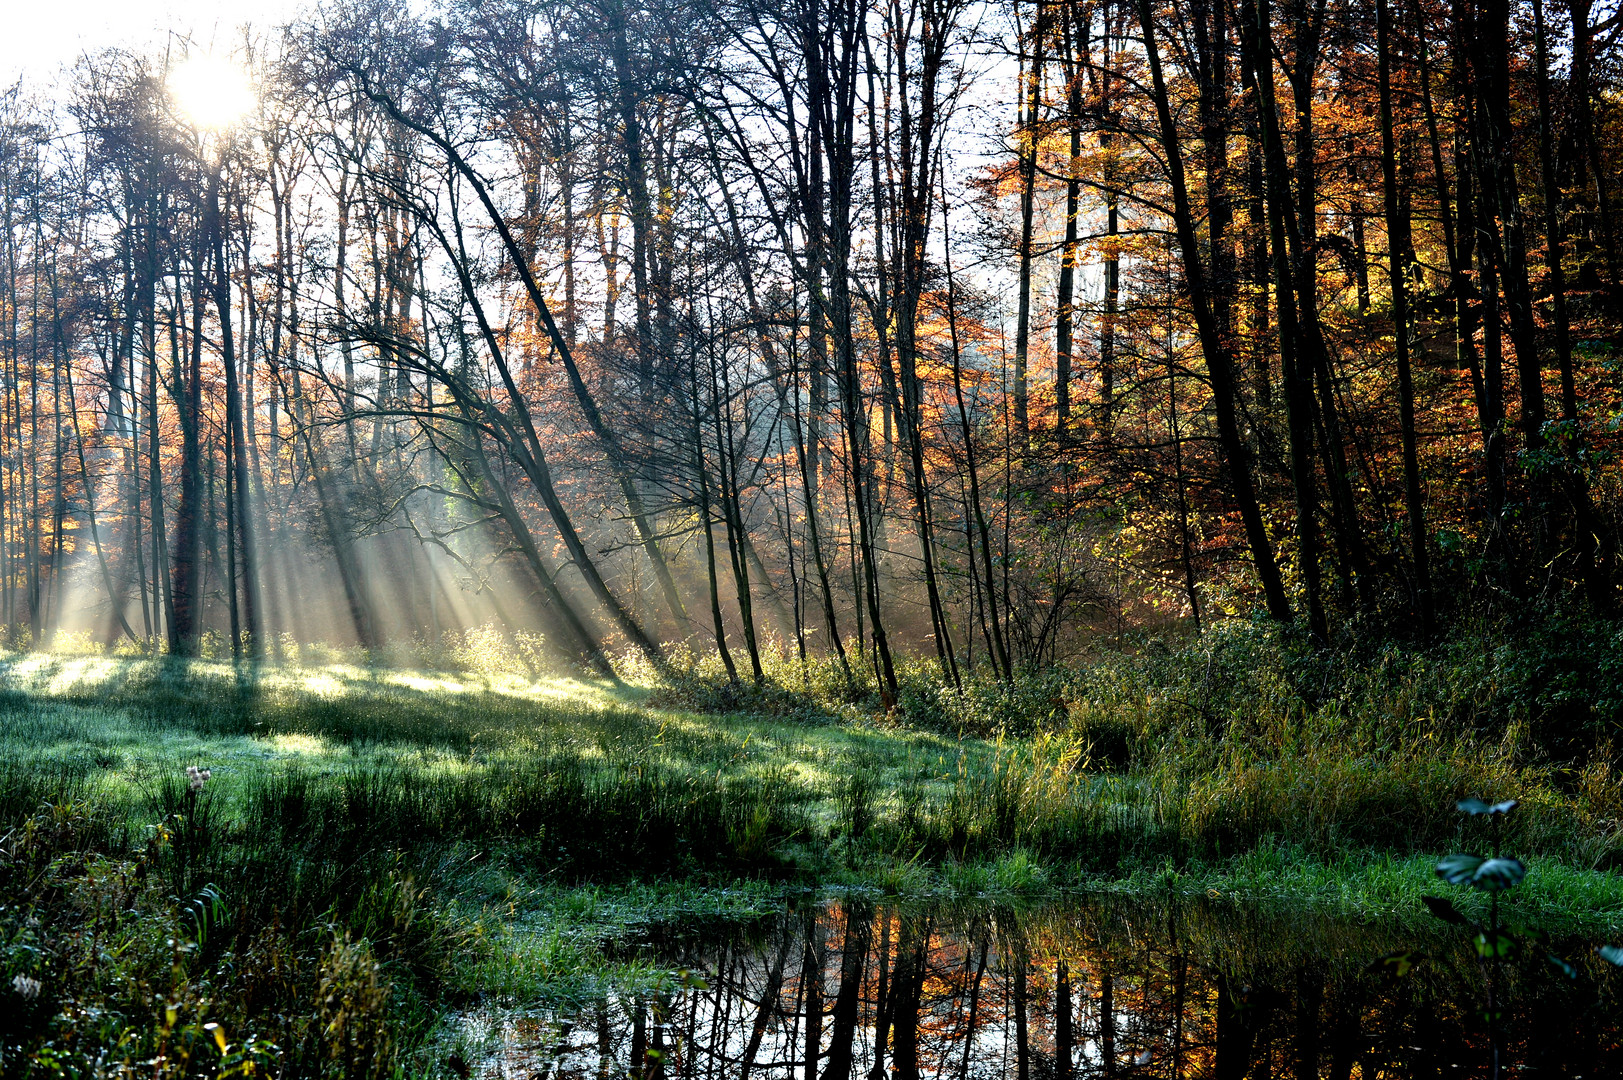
862	989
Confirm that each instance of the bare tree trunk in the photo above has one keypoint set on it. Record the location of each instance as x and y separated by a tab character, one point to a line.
564	614
920	152
702	471
1075	38
1219	363
721	399
188	540
1398	255
1112	262
1503	233
1029	137
238	481
788	389
1586	527
999	646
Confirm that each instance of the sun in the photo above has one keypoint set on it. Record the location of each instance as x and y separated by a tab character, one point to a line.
213	93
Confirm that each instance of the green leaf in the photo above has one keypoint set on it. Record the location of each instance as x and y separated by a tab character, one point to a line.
1497	875
1497	944
1489	875
1475	807
1458	869
1443	909
1612	954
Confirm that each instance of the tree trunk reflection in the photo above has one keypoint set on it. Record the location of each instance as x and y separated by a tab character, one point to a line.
858	989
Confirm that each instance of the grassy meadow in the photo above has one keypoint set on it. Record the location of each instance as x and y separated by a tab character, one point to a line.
377	848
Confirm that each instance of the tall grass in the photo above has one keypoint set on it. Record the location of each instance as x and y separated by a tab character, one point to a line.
368	833
1244	737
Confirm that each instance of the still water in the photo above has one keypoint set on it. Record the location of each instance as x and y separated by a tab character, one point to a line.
1096	987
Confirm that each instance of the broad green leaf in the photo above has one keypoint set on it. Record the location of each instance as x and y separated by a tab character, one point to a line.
1497	875
1475	806
1443	909
1458	869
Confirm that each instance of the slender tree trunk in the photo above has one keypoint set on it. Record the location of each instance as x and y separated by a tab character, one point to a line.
998	646
90	511
1219	362
1112	263
1186	550
188	538
710	553
721	399
1398	254
525	444
1210	18
1586	527
1064	315
237	437
1030	137
1501	199
913	227
789	397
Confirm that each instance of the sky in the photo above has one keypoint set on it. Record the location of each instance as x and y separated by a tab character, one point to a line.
42	36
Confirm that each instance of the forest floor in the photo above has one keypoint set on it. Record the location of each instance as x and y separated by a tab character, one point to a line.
388	843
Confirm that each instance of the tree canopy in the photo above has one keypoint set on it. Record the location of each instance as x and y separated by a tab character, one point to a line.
935	328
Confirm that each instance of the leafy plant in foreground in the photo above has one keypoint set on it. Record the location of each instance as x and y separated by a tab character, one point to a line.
1493	875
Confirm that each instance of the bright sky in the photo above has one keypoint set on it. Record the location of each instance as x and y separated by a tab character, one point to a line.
42	36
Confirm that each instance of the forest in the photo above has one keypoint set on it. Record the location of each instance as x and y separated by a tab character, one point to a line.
522	517
949	331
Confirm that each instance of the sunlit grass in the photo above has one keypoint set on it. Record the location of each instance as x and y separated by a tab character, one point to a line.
126	720
478	836
117	723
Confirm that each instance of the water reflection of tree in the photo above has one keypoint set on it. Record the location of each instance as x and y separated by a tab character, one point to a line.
860	991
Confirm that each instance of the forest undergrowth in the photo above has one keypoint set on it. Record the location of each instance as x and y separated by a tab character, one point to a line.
373	847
